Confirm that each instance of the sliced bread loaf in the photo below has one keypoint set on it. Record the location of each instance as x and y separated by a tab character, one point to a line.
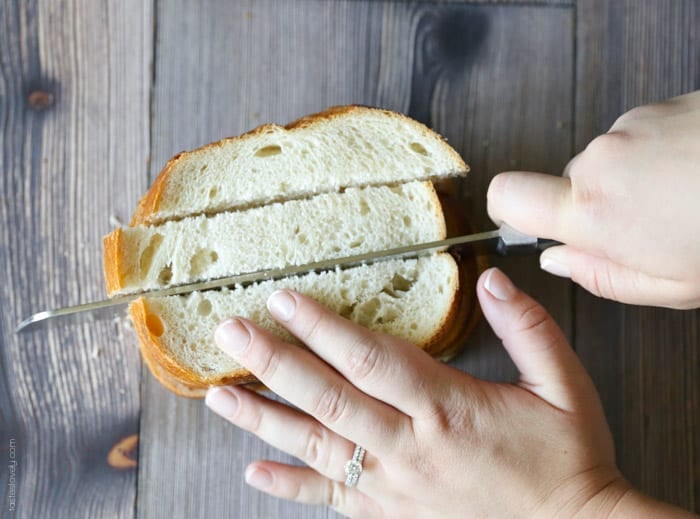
346	181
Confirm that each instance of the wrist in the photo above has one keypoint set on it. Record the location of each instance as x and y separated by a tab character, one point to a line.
619	500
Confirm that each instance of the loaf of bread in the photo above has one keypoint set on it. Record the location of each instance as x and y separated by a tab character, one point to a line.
346	181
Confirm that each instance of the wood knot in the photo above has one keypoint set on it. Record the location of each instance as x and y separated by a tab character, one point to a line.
124	454
39	100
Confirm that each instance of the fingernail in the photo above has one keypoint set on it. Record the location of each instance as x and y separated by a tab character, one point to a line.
232	336
258	478
499	286
222	401
554	267
282	305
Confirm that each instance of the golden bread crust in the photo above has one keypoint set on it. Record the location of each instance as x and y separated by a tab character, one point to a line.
112	261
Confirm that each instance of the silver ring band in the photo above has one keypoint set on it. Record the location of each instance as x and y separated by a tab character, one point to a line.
353	467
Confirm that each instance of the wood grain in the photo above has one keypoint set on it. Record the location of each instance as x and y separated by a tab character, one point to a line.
452	66
644	361
74	88
495	78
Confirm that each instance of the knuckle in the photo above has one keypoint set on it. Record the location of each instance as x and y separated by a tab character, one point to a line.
365	359
453	412
249	419
606	148
532	318
316	449
335	495
332	405
313	327
295	491
601	284
267	363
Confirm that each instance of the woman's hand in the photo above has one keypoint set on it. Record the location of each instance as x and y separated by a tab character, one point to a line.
626	208
439	442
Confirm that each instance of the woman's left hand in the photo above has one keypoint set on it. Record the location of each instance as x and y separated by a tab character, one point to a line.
439	442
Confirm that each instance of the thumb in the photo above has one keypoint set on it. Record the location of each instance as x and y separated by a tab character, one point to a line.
548	366
605	278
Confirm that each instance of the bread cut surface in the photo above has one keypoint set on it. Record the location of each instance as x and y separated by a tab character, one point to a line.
412	299
296	232
325	152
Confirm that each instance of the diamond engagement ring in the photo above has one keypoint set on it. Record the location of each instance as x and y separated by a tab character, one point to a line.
353	467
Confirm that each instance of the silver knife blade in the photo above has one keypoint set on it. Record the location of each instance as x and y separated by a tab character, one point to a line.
496	240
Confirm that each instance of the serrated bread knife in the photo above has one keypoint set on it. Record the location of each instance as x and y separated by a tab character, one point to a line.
503	241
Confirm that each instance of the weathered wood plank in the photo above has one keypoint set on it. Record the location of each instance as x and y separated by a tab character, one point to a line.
74	90
496	80
644	361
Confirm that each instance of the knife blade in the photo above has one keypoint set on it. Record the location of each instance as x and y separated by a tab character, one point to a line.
503	241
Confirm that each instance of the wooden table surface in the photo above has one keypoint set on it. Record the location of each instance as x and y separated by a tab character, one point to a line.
96	95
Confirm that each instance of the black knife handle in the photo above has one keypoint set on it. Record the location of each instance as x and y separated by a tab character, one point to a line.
513	243
520	249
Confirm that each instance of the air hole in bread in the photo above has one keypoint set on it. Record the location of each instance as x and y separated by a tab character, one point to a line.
213	192
204	308
366	313
146	259
399	285
203	168
201	261
301	238
154	325
364	207
269	151
346	311
165	274
284	187
356	243
389	316
407	221
418	148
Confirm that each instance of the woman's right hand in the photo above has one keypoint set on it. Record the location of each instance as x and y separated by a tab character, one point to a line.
627	208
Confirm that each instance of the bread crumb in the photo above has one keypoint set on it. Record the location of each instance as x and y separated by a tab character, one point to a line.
115	221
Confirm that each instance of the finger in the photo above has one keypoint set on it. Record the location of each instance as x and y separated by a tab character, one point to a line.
304	485
385	367
310	384
547	364
533	203
605	278
284	428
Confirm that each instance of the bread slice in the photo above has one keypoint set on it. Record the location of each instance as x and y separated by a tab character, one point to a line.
342	147
413	299
197	248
